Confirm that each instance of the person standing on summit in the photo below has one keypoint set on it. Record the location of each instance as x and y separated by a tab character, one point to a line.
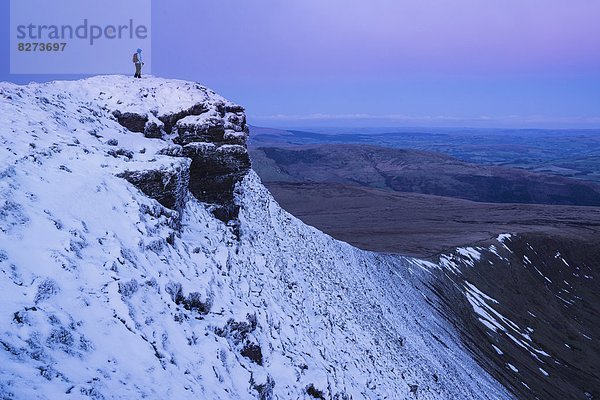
137	60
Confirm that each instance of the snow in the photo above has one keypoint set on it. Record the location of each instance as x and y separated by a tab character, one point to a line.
448	262
231	148
427	266
567	302
470	253
542	275
159	96
103	295
496	322
472	288
503	237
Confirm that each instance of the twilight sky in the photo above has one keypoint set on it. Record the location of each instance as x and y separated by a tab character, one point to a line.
517	63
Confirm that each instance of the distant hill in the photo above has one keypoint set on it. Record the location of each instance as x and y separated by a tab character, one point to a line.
569	153
414	171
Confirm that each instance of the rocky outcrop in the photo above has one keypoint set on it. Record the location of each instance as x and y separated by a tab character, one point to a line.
143	123
169	120
214	172
168	186
225	124
213	136
132	121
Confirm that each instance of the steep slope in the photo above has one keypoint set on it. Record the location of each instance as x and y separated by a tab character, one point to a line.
141	258
528	306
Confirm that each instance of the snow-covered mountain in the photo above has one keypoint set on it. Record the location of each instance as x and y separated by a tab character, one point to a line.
141	257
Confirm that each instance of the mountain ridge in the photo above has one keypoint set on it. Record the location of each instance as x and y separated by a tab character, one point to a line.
417	171
107	293
128	271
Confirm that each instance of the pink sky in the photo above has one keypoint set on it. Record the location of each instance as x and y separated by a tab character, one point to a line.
475	60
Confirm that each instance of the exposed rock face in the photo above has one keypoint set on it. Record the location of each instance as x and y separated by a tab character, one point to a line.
169	186
170	120
214	172
132	121
212	134
222	125
154	130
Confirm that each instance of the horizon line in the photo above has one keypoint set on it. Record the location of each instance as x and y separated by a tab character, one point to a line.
541	122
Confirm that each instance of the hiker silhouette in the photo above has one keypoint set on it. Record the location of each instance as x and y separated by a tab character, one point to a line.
137	60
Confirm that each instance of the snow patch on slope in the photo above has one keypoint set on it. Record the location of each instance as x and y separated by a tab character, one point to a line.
495	321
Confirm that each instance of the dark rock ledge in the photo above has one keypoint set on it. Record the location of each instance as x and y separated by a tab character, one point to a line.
213	137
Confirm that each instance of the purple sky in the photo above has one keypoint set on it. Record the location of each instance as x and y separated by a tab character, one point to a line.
490	63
